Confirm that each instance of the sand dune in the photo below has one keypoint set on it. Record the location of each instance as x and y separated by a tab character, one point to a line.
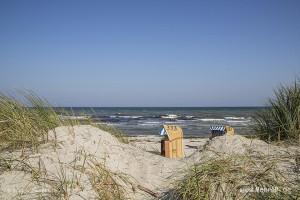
73	153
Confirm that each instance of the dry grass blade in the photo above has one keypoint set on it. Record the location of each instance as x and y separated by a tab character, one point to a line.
105	182
236	177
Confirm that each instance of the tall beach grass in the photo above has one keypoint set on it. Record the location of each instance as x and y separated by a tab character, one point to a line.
25	122
281	120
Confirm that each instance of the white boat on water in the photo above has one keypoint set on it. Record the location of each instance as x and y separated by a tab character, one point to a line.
169	116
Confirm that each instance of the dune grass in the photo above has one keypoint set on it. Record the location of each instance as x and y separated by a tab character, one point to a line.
105	182
68	179
281	120
236	177
25	123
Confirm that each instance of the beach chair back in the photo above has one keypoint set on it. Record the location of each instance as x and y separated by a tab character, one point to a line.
172	144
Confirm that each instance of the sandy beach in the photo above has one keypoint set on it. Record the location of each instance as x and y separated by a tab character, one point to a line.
73	153
149	100
152	144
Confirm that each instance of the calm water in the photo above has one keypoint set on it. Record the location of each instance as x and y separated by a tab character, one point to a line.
194	121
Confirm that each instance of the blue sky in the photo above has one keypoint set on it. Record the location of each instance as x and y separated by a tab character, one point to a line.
149	53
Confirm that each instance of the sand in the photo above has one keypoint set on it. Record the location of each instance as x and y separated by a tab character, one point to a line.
139	167
151	143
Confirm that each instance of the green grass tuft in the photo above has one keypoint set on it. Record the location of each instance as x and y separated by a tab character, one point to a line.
25	124
234	178
281	120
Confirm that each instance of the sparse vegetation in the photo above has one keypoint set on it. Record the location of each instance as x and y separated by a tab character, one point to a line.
236	177
105	182
66	181
281	120
25	124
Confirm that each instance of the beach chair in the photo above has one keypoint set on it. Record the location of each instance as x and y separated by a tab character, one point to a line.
172	143
221	130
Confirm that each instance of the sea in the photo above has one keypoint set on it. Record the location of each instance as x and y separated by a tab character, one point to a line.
195	121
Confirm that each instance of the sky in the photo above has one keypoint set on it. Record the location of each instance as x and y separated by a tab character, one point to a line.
149	52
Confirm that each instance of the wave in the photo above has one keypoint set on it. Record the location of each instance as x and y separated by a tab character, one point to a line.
169	116
151	123
238	121
189	116
126	116
211	120
174	122
234	118
71	117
